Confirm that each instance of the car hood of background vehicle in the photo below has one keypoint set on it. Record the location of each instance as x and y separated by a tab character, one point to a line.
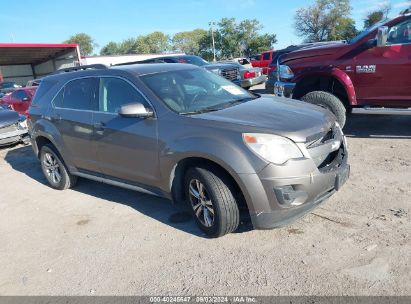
220	66
286	117
315	50
8	117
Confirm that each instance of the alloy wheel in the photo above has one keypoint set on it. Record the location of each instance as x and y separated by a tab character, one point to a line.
201	203
52	168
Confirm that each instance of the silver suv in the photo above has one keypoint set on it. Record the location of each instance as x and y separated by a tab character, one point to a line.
186	134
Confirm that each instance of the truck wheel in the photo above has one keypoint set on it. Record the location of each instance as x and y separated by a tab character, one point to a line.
328	101
55	170
211	201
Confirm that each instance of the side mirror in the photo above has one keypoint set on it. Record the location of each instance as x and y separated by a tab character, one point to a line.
135	110
382	36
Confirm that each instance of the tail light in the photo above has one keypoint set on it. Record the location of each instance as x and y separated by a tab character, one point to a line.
248	74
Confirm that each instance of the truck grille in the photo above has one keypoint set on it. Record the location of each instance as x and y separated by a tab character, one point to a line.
230	74
7	129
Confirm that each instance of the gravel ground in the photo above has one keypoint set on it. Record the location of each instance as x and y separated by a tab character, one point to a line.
101	240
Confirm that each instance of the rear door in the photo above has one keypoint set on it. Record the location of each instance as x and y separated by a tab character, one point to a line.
73	117
382	74
127	148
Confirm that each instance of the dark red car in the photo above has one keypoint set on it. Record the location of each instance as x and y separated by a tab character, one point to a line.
20	99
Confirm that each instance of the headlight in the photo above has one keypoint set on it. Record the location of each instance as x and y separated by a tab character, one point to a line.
23	124
286	72
272	148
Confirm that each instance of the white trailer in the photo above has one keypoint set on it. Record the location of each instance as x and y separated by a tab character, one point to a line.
117	59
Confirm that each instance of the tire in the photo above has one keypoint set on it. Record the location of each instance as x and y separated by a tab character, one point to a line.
214	208
55	170
328	101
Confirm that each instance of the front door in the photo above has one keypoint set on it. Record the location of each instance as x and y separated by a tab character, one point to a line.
127	148
382	74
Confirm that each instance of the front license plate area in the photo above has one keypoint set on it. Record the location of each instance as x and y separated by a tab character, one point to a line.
342	178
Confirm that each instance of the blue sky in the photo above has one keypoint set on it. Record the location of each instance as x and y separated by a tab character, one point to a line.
49	21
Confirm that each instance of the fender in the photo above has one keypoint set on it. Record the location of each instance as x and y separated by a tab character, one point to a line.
342	77
232	161
43	128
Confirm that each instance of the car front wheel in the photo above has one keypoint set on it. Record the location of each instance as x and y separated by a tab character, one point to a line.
212	202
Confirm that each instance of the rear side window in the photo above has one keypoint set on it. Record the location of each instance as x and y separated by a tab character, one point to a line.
115	92
266	56
79	94
43	88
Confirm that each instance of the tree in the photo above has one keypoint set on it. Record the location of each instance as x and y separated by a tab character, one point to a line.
110	48
156	42
241	39
325	20
85	42
377	15
189	42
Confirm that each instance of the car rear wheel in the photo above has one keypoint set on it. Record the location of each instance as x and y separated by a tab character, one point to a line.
328	101
212	202
55	170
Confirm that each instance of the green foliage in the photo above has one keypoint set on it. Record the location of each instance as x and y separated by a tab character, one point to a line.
110	48
372	18
85	41
156	42
325	20
189	42
232	39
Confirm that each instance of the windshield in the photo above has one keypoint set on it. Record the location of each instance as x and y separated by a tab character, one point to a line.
195	91
367	31
198	61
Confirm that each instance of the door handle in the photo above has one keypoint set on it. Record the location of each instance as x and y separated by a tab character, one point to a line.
100	126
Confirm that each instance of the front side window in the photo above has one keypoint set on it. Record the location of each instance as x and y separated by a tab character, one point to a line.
266	56
79	94
194	91
115	92
400	33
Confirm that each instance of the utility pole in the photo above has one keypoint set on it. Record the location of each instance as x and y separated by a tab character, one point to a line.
212	38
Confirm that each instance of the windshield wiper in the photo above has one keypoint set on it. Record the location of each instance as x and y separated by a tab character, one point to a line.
220	106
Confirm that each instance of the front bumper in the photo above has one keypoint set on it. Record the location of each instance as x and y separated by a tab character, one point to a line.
249	82
279	88
13	137
282	194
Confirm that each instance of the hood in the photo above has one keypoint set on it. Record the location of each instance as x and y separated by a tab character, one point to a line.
317	49
220	66
285	117
8	117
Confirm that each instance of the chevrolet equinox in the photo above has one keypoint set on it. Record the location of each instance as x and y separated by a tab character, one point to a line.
183	133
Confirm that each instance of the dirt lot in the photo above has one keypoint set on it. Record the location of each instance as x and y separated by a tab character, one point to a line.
101	240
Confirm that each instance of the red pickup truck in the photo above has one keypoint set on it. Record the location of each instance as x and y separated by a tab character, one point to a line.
262	61
368	74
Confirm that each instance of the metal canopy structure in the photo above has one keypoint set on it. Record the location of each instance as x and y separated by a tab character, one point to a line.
26	53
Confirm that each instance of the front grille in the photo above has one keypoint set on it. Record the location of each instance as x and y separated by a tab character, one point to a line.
7	129
319	146
230	74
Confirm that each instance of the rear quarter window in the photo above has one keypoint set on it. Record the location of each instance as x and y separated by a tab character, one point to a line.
43	88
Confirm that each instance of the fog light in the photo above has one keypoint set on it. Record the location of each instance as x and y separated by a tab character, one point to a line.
289	196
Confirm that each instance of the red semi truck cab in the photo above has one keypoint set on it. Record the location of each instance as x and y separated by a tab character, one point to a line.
369	74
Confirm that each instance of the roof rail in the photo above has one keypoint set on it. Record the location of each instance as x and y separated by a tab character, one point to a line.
82	68
406	11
